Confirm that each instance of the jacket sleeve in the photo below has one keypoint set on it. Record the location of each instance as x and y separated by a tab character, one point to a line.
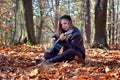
75	41
72	42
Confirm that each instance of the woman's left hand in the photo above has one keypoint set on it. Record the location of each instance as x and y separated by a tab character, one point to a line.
62	37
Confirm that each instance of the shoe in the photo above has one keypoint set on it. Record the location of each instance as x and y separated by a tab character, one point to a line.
38	61
49	61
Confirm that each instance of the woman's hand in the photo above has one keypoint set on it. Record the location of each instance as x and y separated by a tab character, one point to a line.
53	40
62	37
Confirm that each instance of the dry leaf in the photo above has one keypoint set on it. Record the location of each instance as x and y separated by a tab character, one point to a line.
56	74
101	78
14	61
107	69
33	72
81	78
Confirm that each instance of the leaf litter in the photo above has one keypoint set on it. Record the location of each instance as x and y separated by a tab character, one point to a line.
18	63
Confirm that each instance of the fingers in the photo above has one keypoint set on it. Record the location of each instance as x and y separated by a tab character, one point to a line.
62	37
53	40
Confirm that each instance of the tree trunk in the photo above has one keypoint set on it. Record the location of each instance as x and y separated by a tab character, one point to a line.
56	13
40	29
40	26
109	21
82	18
68	11
117	43
87	21
112	22
20	33
100	39
29	20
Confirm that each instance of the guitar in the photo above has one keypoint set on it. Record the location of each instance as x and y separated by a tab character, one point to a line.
56	46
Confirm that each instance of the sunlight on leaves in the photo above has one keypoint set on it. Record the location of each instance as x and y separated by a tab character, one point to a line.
33	72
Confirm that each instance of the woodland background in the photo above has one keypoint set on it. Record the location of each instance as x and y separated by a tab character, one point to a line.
35	20
26	27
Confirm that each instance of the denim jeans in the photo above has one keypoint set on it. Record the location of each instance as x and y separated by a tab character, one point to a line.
67	55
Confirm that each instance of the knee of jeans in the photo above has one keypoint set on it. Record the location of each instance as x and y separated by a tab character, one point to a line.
46	56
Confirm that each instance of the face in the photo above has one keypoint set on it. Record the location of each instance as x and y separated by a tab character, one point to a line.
65	24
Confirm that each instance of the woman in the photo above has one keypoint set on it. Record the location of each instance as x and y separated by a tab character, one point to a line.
72	45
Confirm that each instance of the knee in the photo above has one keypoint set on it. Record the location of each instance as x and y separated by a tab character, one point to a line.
46	56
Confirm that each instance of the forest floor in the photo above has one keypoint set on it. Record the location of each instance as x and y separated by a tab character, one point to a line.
18	63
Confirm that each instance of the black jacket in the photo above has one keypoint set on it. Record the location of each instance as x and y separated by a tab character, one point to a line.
75	42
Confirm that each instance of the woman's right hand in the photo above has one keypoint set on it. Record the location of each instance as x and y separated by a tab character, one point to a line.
53	40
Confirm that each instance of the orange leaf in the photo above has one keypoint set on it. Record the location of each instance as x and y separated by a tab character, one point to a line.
3	25
7	1
1	9
56	74
81	78
63	78
5	15
33	73
101	78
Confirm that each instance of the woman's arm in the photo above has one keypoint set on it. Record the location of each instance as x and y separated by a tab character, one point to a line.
53	38
75	41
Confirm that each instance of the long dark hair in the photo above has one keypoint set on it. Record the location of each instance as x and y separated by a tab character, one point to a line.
59	29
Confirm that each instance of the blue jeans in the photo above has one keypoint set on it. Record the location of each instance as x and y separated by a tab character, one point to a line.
67	55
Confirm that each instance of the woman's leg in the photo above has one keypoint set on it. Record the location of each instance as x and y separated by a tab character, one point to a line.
49	55
67	55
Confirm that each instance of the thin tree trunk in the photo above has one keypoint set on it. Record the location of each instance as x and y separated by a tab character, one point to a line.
112	22
87	21
109	21
56	13
117	28
82	17
41	22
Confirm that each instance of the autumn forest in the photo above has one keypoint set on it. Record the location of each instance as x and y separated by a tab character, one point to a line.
26	27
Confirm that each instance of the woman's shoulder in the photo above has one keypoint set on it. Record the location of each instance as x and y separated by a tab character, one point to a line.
76	30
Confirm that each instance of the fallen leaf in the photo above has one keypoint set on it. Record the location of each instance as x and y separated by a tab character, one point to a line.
107	69
81	78
56	74
33	73
101	78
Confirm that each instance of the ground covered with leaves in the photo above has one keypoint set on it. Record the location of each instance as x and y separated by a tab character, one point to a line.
18	63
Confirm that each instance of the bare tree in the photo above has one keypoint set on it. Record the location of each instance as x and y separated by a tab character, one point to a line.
43	15
56	13
87	21
112	23
117	28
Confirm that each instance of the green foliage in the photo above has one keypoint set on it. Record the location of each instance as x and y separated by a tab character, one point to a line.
29	43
